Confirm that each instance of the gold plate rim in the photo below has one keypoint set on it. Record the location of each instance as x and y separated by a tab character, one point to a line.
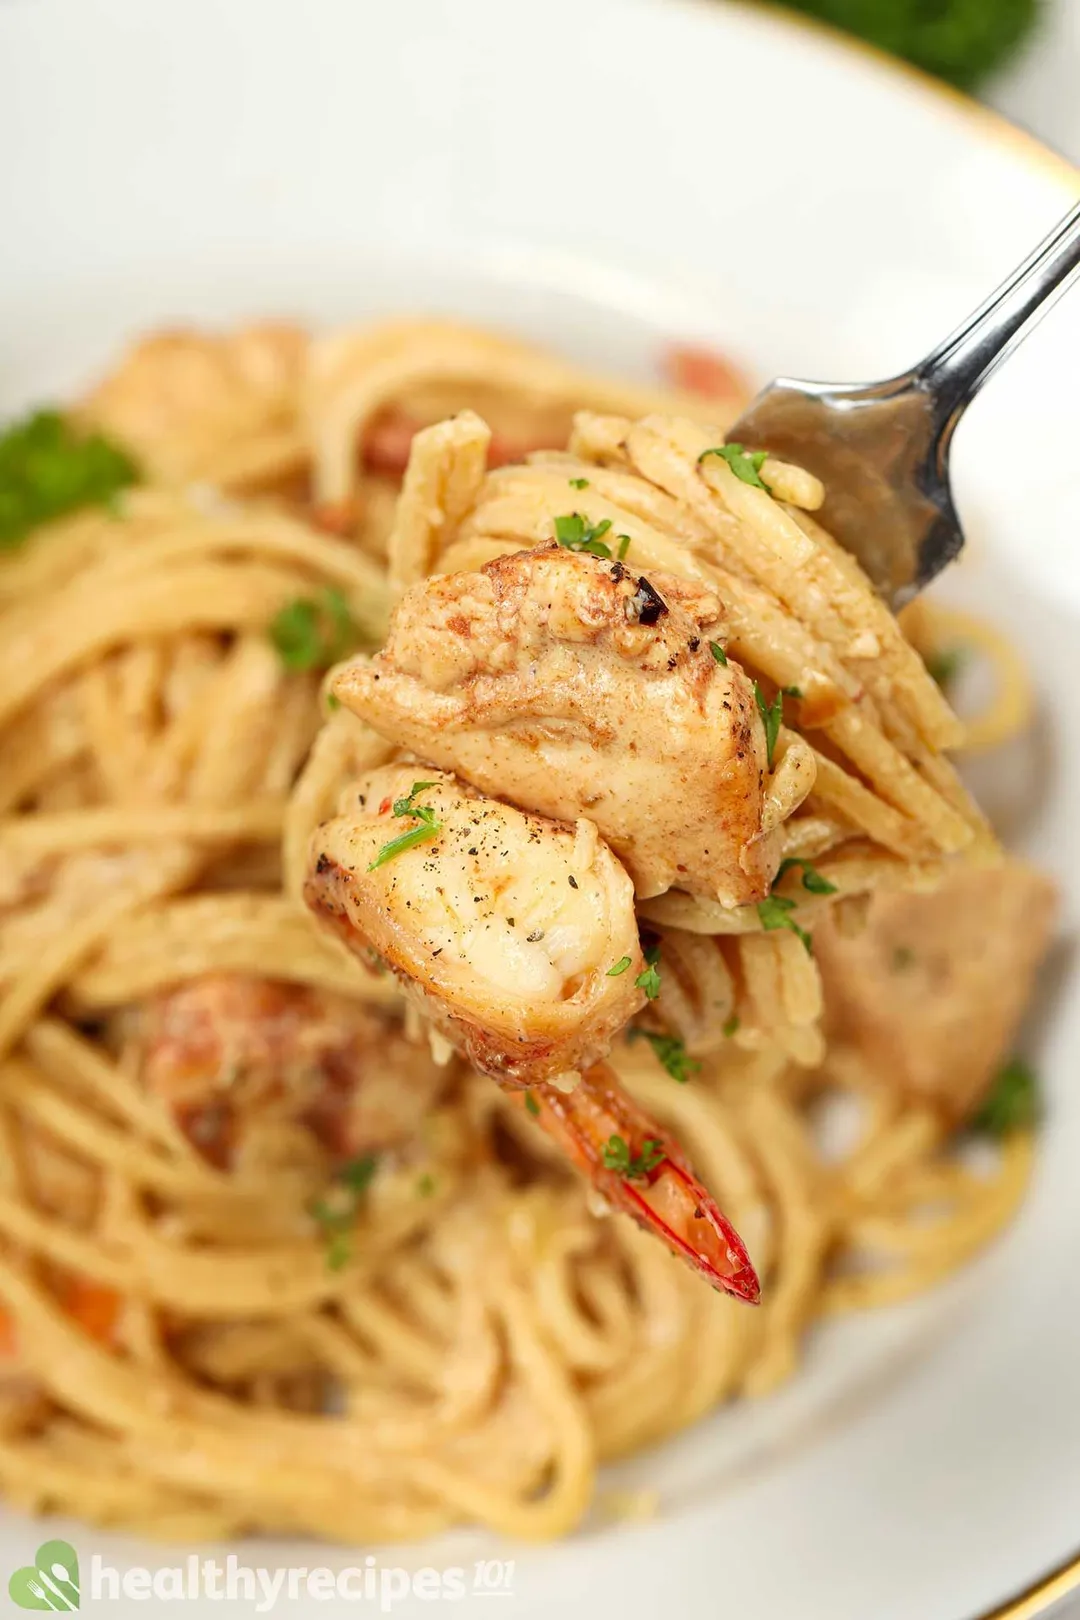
1032	149
1037	1598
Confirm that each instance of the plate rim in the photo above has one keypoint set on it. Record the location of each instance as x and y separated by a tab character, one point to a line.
1037	1598
965	108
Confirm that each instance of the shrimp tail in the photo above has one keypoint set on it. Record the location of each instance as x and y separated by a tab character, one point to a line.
639	1168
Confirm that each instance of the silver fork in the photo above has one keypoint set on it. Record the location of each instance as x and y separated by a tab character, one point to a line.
882	449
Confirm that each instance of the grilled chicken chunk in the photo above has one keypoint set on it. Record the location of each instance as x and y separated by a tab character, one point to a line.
934	988
223	1051
573	687
502	927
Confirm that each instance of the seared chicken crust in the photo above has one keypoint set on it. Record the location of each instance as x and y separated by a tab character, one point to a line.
573	686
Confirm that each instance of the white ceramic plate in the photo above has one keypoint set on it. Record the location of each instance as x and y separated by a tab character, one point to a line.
602	174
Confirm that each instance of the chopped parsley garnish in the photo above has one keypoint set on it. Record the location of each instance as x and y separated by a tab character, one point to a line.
624	547
314	632
49	468
945	664
745	464
426	1185
579	483
792	691
649	981
772	716
775	912
670	1052
407	807
730	1026
336	1214
333	702
718	652
1012	1103
620	967
615	1154
531	1104
812	878
428	828
577	534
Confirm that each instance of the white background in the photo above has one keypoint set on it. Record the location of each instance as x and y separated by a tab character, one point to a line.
1042	91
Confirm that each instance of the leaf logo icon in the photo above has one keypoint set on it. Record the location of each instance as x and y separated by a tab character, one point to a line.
51	1582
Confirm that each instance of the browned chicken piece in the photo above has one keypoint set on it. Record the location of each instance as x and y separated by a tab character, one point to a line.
934	988
515	936
573	686
207	406
220	1050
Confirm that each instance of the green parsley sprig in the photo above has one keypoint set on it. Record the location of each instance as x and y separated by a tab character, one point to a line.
670	1052
618	967
314	632
616	1155
578	534
1012	1103
336	1213
776	912
423	813
649	980
812	879
745	464
49	468
772	715
718	652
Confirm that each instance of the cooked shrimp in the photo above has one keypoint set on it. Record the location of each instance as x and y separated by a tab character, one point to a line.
204	405
516	937
504	928
639	1169
573	687
221	1049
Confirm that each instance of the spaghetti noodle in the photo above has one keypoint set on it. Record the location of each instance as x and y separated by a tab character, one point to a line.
374	1304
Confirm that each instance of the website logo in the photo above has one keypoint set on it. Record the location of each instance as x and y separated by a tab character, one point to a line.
51	1582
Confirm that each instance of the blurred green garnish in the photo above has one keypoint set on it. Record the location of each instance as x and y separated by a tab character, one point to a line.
959	40
314	632
49	468
1011	1104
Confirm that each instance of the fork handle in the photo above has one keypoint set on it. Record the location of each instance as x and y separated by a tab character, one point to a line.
954	371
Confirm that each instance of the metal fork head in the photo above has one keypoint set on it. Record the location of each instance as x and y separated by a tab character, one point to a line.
881	455
882	451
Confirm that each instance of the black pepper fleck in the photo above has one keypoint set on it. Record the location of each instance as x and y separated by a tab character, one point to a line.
647	604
